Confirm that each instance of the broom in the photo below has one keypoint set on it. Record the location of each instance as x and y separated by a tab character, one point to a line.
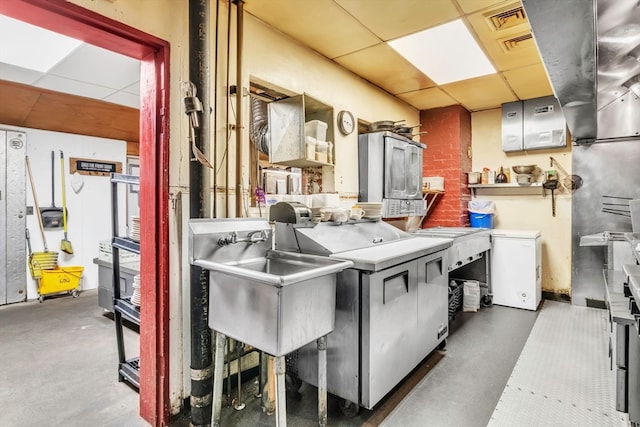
65	244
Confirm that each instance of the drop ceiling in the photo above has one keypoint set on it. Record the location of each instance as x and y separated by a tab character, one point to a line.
86	70
353	33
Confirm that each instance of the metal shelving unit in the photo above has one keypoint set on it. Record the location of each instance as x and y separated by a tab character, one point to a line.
128	369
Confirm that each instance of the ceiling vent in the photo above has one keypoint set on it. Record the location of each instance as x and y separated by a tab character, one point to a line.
508	17
516	43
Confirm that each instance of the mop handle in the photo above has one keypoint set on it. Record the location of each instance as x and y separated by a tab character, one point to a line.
64	198
35	201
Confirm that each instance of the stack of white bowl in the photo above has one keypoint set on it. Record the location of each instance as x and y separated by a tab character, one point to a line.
135	296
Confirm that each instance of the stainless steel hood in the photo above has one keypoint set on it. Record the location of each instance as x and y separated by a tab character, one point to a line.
591	50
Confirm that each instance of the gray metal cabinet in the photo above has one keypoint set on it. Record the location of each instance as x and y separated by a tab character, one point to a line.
634	375
433	298
105	281
13	283
389	329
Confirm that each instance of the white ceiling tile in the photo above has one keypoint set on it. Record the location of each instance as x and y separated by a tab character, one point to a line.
45	47
18	74
99	66
124	98
73	87
134	89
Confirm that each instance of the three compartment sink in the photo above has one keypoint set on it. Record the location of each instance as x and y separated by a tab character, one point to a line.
277	303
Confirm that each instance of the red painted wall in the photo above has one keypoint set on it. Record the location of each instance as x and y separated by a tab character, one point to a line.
448	154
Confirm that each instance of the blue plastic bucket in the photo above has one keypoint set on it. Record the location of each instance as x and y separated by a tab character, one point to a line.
481	220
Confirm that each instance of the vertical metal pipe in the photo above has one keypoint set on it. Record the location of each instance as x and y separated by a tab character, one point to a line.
322	381
199	207
215	115
218	369
281	393
227	122
239	403
239	151
229	371
261	368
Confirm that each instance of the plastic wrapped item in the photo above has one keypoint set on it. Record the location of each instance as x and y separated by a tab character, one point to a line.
471	296
481	213
482	206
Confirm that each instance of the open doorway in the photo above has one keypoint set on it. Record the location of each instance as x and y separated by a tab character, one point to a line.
74	21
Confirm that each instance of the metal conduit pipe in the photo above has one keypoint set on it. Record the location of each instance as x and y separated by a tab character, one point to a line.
239	151
227	121
215	115
199	207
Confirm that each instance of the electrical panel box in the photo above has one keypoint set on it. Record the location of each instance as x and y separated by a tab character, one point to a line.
533	124
512	137
544	125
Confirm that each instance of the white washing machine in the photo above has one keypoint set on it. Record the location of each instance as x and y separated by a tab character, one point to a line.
516	272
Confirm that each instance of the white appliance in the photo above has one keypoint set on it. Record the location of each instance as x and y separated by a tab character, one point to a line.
516	274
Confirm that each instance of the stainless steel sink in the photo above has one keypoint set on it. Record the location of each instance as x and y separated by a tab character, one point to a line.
278	268
275	301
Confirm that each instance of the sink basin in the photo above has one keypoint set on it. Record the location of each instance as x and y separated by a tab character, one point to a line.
278	268
277	303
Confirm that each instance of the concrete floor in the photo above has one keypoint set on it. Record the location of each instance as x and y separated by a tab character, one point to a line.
59	369
59	366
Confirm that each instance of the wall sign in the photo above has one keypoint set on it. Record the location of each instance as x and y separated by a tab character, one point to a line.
93	167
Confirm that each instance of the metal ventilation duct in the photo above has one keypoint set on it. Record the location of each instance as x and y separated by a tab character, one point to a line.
591	50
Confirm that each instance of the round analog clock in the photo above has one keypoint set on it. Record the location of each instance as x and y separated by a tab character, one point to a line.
346	122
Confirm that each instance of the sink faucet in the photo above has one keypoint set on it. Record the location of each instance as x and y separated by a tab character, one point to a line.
252	237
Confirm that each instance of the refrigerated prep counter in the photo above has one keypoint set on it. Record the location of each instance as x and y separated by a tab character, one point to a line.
391	306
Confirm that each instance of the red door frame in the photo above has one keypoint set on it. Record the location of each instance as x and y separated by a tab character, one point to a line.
77	22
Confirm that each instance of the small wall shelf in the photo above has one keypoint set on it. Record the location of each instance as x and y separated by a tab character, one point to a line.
509	189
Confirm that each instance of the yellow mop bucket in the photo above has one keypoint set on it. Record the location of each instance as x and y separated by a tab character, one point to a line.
60	279
39	261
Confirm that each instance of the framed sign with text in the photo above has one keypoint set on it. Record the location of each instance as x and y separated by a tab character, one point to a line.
93	167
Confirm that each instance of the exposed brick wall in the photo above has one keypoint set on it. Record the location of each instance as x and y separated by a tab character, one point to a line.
448	155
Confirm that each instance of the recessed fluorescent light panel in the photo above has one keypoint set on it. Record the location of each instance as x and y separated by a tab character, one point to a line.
32	47
446	53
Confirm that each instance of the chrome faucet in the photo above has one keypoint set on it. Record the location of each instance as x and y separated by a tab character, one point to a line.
252	237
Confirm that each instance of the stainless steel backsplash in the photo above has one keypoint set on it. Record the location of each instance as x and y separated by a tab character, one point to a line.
608	169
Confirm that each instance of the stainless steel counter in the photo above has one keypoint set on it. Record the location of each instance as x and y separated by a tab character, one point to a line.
378	258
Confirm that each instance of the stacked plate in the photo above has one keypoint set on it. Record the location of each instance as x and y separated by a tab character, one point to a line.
134	228
371	210
135	296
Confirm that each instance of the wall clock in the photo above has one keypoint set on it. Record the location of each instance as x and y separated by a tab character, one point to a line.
346	122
